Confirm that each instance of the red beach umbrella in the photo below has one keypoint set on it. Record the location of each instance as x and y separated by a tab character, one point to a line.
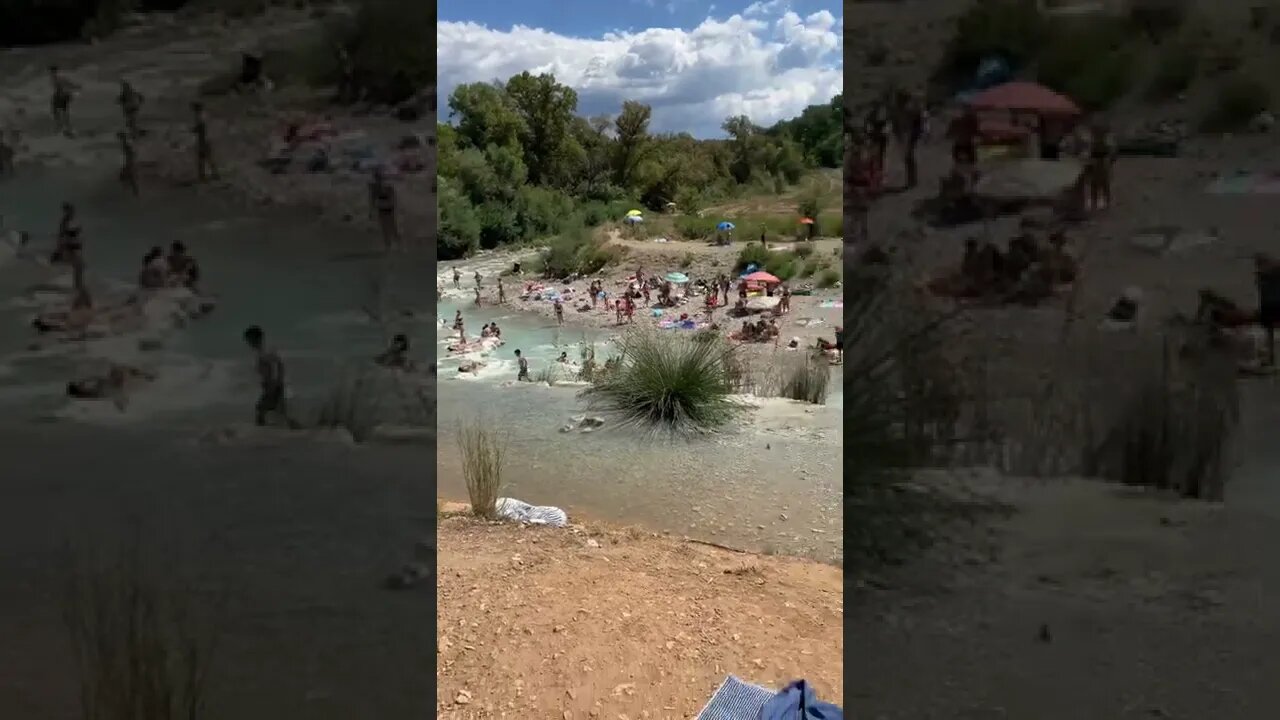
1024	97
761	276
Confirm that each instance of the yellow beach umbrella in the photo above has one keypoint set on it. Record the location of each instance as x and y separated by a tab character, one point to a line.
634	213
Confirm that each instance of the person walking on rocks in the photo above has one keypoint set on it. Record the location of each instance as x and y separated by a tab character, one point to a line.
272	400
62	90
205	167
912	134
129	169
7	153
523	374
130	105
457	279
382	202
1101	160
60	102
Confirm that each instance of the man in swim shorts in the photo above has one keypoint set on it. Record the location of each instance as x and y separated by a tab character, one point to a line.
524	367
271	376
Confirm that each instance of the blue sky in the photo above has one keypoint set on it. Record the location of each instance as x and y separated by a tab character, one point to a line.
695	61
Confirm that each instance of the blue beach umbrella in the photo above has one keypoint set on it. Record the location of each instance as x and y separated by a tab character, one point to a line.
677	277
725	225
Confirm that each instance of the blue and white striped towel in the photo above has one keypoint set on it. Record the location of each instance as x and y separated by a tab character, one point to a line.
736	700
523	512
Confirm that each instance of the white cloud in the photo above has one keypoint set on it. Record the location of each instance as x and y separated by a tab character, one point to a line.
768	66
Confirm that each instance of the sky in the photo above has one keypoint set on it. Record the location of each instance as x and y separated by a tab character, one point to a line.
695	62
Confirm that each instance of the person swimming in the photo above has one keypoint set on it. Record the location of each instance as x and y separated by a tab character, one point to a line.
397	354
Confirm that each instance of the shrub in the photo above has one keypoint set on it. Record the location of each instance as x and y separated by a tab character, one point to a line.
483	456
138	650
829	278
1240	99
392	46
668	384
753	253
1089	61
807	379
691	227
1178	64
354	404
810	205
803	249
1158	19
1011	29
575	252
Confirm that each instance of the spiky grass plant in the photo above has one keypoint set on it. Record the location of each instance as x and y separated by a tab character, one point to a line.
668	384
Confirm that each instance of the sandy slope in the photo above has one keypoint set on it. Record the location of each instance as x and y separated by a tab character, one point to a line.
593	622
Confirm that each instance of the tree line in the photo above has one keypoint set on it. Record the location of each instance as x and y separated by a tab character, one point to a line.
518	162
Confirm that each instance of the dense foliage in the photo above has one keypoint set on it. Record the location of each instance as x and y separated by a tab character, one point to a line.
518	163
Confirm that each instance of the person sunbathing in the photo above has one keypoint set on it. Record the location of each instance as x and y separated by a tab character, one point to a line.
75	319
114	384
1221	313
397	355
1059	263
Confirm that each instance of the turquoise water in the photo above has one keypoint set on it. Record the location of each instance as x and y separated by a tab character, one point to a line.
308	286
773	485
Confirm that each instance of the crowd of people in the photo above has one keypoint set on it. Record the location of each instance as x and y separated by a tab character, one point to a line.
87	317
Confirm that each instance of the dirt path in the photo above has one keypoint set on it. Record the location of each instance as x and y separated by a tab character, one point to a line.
577	623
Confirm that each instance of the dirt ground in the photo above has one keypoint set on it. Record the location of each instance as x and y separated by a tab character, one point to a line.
591	622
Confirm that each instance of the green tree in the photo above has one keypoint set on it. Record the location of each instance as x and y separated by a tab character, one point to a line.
632	141
458	223
741	139
547	108
485	116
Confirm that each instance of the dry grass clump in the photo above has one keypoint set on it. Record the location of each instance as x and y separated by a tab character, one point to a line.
139	651
483	457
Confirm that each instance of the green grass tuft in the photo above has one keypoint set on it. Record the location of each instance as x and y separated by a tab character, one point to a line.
668	384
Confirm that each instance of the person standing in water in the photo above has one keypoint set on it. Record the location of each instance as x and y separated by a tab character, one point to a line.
130	101
559	312
60	102
502	293
7	153
479	279
382	203
68	237
523	374
457	279
205	167
129	168
270	369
